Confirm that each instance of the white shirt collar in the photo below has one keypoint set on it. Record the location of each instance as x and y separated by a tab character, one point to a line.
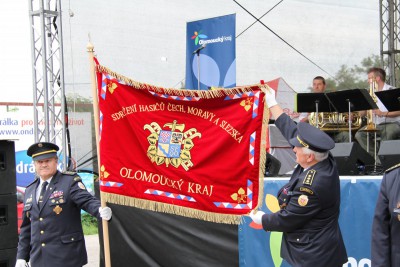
42	181
40	186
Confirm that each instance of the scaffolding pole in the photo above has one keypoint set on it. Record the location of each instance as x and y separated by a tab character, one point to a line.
389	39
48	74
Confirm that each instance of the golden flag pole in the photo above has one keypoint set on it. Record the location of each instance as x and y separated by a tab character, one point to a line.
106	242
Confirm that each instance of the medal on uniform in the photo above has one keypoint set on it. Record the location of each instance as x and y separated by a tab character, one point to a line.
57	210
398	211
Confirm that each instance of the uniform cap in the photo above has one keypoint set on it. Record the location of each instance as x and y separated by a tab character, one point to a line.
312	138
42	150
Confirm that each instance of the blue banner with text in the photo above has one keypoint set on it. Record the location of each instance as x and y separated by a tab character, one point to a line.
211	53
358	197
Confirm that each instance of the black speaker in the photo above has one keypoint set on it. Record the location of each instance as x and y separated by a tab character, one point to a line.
8	257
7	167
8	221
272	166
389	153
351	158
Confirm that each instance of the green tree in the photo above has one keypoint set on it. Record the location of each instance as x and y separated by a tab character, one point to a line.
355	77
77	103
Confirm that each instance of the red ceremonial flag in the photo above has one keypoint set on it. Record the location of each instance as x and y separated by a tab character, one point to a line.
194	153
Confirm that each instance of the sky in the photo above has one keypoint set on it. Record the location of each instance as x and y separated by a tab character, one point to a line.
145	40
15	52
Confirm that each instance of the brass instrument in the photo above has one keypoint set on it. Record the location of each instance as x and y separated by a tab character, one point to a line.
371	127
373	86
334	121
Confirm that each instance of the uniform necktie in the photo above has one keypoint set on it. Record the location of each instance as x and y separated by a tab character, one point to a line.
42	191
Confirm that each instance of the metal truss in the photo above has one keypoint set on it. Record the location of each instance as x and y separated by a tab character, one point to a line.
48	74
389	39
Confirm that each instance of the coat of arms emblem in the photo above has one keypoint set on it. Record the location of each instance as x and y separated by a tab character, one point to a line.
171	145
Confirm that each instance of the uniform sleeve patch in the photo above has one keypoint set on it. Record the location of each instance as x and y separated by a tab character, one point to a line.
303	200
308	180
81	186
307	190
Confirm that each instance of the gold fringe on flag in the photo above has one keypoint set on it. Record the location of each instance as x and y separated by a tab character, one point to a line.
171	209
215	93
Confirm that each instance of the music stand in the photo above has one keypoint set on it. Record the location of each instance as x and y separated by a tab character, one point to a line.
313	102
310	102
390	98
353	100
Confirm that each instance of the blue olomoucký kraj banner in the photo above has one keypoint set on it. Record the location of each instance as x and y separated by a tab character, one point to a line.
211	53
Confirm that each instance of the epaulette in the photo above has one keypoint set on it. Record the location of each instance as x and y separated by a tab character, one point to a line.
33	182
393	167
77	178
308	180
71	173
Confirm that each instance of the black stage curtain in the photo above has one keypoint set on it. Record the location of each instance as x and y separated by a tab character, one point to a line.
145	238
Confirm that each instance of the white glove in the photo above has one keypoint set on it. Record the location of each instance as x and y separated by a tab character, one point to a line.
270	97
256	216
21	263
105	213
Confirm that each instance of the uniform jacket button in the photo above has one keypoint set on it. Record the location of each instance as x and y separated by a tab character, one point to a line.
43	244
42	232
298	240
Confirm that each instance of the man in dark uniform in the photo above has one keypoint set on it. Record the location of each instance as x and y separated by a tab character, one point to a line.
385	247
51	230
310	202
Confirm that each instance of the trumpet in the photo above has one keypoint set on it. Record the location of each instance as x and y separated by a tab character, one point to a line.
334	121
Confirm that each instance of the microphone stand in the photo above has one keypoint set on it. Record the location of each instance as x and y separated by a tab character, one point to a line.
198	68
197	52
349	119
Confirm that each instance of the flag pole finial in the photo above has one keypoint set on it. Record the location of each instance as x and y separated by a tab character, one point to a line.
90	46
